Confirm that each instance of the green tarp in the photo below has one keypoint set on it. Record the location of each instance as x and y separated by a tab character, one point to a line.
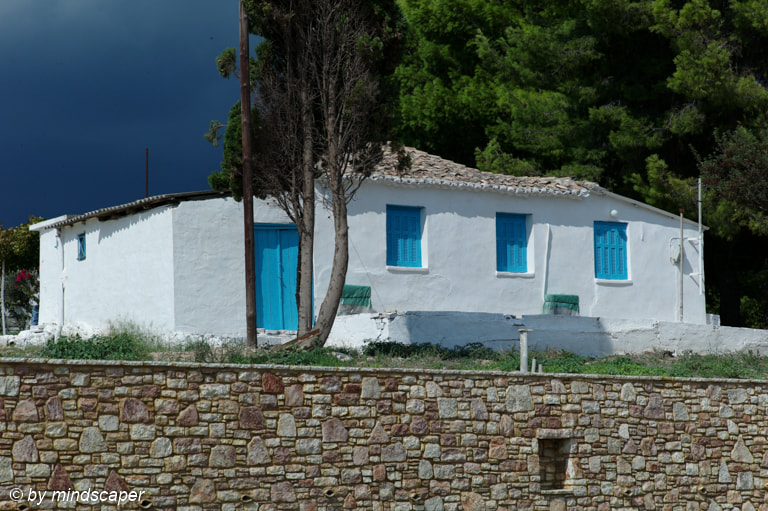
561	304
356	295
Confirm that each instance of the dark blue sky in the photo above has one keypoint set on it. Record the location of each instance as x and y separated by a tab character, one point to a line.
87	85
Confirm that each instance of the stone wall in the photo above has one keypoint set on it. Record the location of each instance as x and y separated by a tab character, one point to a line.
197	437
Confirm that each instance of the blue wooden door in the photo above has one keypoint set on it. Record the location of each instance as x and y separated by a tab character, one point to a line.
277	251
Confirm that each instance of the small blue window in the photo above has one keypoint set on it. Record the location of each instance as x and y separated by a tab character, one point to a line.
611	250
511	243
404	236
81	247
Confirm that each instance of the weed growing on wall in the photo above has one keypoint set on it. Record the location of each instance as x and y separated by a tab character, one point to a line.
241	354
730	365
125	342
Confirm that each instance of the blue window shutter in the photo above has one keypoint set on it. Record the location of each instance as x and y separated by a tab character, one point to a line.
404	236
611	250
81	247
511	243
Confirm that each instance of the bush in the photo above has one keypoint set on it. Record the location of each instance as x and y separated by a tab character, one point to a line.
123	342
474	350
729	365
558	361
314	357
130	343
240	354
623	366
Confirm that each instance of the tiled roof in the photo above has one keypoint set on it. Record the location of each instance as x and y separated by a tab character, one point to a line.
139	205
428	169
425	170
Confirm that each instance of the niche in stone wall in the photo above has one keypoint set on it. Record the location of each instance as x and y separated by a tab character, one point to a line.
553	462
555	448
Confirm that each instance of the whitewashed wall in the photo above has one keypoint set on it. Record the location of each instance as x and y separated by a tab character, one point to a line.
173	269
209	264
50	277
181	268
459	255
127	274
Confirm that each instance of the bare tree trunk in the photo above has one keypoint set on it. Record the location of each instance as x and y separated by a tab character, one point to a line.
347	92
307	221
336	158
305	287
248	233
330	305
318	95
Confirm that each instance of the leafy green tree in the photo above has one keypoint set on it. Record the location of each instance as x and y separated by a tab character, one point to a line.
738	172
19	252
718	84
532	88
20	247
589	88
230	176
441	109
622	93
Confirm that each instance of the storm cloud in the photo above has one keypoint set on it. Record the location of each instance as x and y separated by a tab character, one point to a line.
87	85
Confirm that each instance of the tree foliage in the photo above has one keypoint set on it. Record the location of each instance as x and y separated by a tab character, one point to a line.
626	94
19	258
20	247
230	176
322	93
737	171
590	88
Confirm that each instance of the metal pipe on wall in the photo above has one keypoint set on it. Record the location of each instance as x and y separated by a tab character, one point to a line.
701	248
682	259
60	243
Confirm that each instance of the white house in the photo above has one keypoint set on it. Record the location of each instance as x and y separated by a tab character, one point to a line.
442	240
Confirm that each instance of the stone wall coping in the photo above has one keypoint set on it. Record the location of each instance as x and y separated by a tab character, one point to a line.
364	370
554	433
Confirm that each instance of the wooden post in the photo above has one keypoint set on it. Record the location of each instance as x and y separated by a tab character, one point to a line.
248	234
2	295
146	172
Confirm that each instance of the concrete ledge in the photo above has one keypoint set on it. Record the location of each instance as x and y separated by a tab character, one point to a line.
587	336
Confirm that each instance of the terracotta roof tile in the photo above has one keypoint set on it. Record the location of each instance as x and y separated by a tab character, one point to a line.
428	169
139	205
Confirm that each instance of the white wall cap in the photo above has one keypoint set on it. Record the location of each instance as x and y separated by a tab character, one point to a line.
45	224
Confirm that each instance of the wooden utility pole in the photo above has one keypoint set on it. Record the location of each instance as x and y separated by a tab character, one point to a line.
2	294
146	172
245	112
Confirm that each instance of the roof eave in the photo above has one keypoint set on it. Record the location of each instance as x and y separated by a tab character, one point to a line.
482	187
643	205
129	208
51	223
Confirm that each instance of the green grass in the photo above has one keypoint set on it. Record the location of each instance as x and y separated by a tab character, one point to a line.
125	342
240	354
732	365
121	342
